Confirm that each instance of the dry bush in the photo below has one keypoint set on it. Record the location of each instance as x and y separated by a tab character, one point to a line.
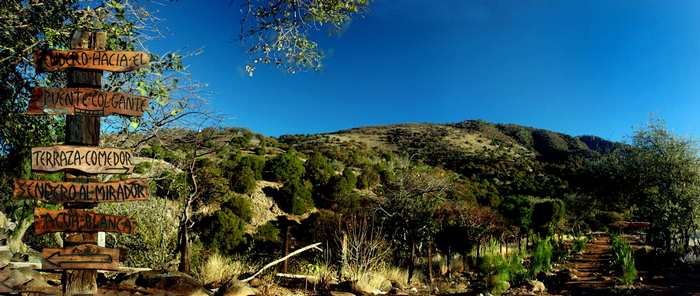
363	252
218	269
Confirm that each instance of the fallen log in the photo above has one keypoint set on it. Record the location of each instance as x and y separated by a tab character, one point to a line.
273	263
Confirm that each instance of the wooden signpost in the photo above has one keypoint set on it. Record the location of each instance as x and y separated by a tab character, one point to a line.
113	61
80	158
74	220
86	256
90	160
77	192
84	101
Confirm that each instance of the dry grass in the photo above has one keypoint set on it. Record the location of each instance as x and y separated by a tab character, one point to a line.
218	269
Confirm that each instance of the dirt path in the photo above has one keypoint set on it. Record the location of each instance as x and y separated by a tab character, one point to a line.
592	269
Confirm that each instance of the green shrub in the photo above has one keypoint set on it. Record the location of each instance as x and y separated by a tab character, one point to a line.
285	167
154	244
579	244
318	170
546	214
267	232
296	197
223	231
623	259
240	206
243	181
369	178
541	256
501	270
142	167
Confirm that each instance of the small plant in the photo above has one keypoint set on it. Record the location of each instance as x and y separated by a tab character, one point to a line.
541	256
502	270
579	244
218	269
623	259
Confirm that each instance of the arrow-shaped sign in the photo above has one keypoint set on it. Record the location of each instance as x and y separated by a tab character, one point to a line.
81	257
90	160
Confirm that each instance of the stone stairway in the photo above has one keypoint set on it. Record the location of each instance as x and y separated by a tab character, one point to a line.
592	270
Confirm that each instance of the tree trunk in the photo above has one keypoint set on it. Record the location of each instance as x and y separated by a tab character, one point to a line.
447	261
411	262
430	262
184	244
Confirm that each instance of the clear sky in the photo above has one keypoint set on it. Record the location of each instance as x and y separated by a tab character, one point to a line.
578	67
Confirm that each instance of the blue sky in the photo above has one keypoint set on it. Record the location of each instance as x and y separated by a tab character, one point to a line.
578	67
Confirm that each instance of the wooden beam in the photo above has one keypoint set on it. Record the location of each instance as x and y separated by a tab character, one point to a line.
84	101
90	160
74	220
114	61
86	256
77	192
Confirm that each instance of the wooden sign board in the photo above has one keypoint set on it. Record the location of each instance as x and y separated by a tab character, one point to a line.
72	220
90	160
114	61
74	192
81	257
84	101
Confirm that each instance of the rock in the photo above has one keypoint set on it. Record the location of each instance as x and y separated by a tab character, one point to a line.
236	288
338	293
396	291
14	278
536	286
413	290
39	285
176	282
5	257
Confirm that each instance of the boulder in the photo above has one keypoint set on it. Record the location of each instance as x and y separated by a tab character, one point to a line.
236	288
535	286
174	282
14	278
338	293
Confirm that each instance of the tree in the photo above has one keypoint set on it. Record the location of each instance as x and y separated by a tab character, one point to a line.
243	181
296	197
663	174
318	170
224	231
278	32
518	211
284	167
546	214
410	202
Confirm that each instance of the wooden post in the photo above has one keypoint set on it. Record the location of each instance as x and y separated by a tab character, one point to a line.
83	131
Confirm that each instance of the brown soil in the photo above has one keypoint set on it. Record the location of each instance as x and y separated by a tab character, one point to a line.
591	269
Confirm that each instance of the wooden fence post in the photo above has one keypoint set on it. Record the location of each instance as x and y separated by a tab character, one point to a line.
82	130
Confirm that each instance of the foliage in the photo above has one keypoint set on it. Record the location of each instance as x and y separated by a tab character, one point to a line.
541	256
296	197
518	211
223	231
243	181
213	186
500	269
279	32
318	170
240	206
154	243
285	167
267	232
546	214
578	244
623	259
